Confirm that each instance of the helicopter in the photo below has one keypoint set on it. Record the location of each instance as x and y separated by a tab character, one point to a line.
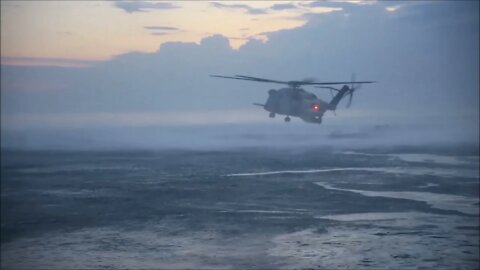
295	101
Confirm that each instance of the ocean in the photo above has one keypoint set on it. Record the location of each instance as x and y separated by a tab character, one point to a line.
399	207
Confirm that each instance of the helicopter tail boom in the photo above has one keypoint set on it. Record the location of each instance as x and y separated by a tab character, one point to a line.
336	99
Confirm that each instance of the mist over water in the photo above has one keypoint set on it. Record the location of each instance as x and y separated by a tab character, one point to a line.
231	136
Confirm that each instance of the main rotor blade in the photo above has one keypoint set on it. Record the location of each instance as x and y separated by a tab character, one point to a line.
259	79
247	78
230	77
227	77
291	83
301	82
332	83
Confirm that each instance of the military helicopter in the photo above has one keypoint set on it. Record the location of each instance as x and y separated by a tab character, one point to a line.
294	101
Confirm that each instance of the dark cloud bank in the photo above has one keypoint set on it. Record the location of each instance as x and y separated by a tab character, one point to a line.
142	6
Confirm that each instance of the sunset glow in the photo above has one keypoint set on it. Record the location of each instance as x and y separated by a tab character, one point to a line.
72	31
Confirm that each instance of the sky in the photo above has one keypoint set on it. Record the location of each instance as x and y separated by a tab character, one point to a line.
96	30
136	73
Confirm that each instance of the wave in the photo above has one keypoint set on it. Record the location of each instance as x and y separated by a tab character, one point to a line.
463	204
445	172
416	157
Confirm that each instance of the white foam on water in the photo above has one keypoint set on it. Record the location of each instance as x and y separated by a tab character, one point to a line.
427	185
391	241
370	216
297	171
452	160
99	248
467	205
259	211
402	220
361	154
78	168
416	157
342	246
416	171
82	193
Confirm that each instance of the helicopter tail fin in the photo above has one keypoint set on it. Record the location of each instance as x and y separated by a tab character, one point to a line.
336	99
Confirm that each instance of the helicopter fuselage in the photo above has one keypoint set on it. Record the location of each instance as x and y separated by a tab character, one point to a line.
294	101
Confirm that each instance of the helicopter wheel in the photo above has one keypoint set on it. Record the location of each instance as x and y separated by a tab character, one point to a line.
271	115
287	119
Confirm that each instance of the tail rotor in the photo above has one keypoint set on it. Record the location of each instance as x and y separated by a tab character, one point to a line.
353	86
347	90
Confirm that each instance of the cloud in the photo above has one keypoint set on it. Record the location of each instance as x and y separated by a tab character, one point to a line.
333	3
283	6
348	5
142	6
246	8
44	61
169	28
392	8
239	38
164	30
216	42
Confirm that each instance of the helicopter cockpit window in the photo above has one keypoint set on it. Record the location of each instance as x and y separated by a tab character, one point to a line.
311	96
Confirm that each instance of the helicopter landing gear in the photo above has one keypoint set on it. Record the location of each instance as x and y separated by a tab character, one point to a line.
287	119
271	115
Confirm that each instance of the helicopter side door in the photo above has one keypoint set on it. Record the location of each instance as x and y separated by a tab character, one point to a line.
286	101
